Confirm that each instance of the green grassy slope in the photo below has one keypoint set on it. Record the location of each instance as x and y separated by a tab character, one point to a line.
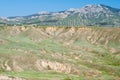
58	53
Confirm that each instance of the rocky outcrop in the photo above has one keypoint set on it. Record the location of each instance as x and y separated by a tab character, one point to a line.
4	65
2	77
56	66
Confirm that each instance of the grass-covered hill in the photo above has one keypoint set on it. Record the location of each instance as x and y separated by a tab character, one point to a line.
59	53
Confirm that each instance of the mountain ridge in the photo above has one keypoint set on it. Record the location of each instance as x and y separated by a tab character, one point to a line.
89	15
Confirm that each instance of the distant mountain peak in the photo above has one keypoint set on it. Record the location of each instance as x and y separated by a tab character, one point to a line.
43	12
100	7
91	8
91	14
71	9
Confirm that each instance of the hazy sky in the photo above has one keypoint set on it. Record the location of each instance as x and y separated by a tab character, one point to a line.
26	7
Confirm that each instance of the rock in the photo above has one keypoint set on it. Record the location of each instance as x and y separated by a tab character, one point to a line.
53	65
2	77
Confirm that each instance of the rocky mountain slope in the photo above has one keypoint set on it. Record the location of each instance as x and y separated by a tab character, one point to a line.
89	15
59	53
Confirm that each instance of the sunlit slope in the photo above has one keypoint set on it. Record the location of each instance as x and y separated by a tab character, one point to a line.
60	53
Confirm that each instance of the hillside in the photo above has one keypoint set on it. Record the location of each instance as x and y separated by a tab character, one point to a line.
89	15
59	53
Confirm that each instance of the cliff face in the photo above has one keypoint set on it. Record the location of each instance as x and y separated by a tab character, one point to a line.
70	50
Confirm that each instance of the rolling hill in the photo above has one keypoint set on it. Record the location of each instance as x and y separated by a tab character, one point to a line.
59	53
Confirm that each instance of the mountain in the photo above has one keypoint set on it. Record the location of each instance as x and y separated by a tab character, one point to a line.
89	15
